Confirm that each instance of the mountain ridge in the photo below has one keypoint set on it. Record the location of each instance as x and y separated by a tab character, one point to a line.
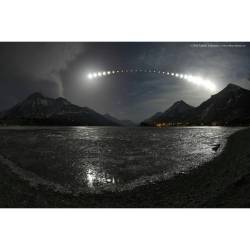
37	109
230	106
126	123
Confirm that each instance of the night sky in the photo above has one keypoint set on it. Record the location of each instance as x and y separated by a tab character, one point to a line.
60	69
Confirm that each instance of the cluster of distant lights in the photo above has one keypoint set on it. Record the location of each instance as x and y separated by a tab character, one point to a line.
197	80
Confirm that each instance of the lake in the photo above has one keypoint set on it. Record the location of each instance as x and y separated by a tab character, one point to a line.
94	159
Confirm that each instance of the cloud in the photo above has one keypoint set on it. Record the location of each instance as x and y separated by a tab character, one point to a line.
37	59
30	67
18	87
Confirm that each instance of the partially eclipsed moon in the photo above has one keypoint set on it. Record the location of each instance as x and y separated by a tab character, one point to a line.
197	80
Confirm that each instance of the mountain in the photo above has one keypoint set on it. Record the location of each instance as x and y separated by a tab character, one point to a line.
178	112
150	120
231	106
126	123
40	110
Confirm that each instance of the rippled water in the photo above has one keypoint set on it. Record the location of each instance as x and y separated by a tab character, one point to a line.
96	158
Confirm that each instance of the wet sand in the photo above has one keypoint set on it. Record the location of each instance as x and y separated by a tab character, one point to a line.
222	182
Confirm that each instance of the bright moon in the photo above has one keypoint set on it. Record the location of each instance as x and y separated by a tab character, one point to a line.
196	80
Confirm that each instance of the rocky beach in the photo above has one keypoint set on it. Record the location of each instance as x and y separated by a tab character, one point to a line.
222	182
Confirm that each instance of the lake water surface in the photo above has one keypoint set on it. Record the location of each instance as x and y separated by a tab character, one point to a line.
83	159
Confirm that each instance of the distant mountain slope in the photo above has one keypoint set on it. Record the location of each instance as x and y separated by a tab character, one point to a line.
231	106
39	110
179	111
151	119
126	123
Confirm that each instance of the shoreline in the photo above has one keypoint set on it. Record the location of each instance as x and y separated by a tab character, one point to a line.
222	182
